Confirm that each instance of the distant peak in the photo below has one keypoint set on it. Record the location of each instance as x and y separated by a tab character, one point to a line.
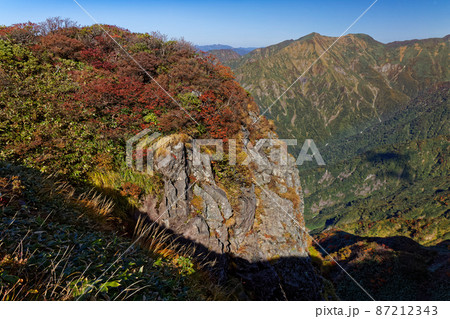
353	36
312	35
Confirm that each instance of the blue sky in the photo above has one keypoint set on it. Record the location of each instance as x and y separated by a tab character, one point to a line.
247	22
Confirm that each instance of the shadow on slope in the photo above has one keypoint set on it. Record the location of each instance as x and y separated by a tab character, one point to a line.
406	181
47	218
391	158
391	268
283	278
58	244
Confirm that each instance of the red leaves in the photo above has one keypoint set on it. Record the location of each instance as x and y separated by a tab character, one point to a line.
118	97
113	101
177	68
61	45
144	70
176	120
155	99
22	33
96	58
208	96
225	72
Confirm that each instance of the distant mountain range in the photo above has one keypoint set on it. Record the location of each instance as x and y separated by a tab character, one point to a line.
357	83
225	56
214	47
379	114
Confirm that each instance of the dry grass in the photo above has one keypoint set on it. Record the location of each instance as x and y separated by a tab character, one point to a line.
32	275
158	241
114	185
113	180
96	202
293	196
49	283
197	202
165	142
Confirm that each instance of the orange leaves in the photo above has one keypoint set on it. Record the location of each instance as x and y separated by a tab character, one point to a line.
96	57
131	190
20	32
61	45
114	96
225	72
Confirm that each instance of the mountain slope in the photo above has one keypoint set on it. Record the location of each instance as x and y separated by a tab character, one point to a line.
71	101
358	82
396	170
225	55
56	245
389	268
379	114
398	183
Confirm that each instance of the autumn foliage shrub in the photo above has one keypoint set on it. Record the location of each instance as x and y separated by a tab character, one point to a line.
61	46
69	93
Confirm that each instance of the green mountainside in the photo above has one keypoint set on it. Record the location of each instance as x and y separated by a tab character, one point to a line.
225	55
396	169
355	84
399	183
379	115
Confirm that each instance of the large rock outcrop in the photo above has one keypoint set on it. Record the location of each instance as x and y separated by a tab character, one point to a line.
254	226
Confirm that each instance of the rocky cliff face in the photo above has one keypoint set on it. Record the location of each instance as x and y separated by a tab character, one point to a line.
253	225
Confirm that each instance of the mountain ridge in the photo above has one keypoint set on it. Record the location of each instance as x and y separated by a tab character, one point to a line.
396	83
362	98
212	47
